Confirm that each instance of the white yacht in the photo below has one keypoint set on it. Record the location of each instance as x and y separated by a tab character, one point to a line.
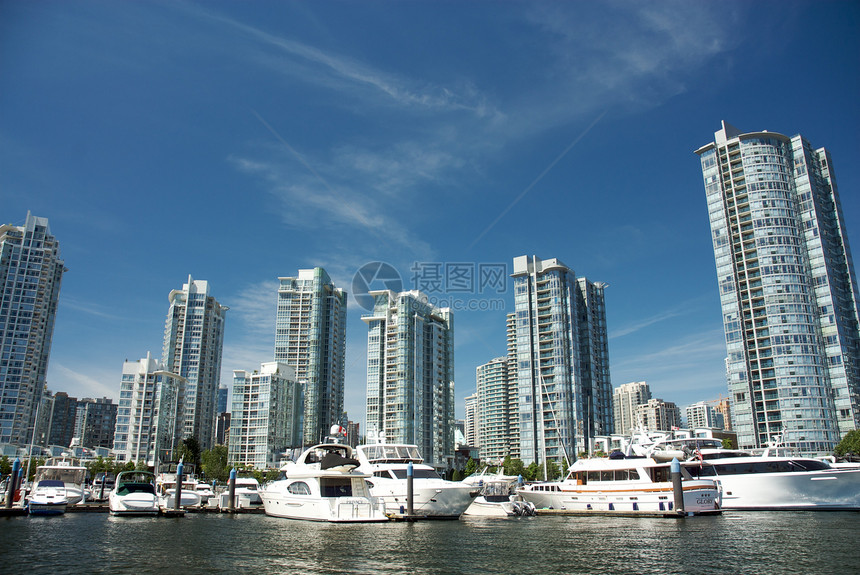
322	485
48	497
771	480
248	488
205	491
165	489
498	496
134	494
624	485
433	496
70	473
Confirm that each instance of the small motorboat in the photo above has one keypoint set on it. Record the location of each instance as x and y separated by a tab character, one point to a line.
134	494
48	497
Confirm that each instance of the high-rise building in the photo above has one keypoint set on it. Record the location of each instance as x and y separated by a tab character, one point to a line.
310	335
702	414
223	395
61	424
147	423
625	399
658	415
472	421
724	408
564	390
353	435
513	387
193	343
30	275
494	407
95	422
787	287
267	415
410	373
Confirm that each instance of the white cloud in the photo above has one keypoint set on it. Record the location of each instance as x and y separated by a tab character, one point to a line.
90	384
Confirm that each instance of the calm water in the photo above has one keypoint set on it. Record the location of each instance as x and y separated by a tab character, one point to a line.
776	542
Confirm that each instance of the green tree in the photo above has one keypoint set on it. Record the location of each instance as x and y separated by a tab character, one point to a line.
552	470
727	443
5	466
471	467
457	475
533	471
849	446
215	465
189	452
513	466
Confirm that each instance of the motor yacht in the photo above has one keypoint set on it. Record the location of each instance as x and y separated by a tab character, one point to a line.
248	489
70	473
498	496
322	485
433	496
623	485
774	479
165	489
48	497
134	494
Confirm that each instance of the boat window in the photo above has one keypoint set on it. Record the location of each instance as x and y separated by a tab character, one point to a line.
336	486
660	474
607	475
594	476
299	488
417	474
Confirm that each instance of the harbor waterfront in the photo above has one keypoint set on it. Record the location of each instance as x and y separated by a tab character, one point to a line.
735	542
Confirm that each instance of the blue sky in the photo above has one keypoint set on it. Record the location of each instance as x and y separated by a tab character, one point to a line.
240	141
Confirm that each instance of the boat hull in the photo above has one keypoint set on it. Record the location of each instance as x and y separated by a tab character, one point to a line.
332	509
46	508
133	504
434	498
698	497
835	490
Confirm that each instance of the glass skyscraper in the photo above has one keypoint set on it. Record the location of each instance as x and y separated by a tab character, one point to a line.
30	275
310	336
564	391
193	344
787	288
410	373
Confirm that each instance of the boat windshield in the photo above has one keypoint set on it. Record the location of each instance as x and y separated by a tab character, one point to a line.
392	453
65	474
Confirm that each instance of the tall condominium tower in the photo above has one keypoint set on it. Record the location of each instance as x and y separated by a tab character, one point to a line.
787	288
410	373
472	421
565	395
193	342
658	415
147	425
702	414
310	335
513	387
494	407
625	398
30	274
95	422
266	417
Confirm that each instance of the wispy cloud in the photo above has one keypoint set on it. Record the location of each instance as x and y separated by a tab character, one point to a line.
93	383
93	309
328	66
250	333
